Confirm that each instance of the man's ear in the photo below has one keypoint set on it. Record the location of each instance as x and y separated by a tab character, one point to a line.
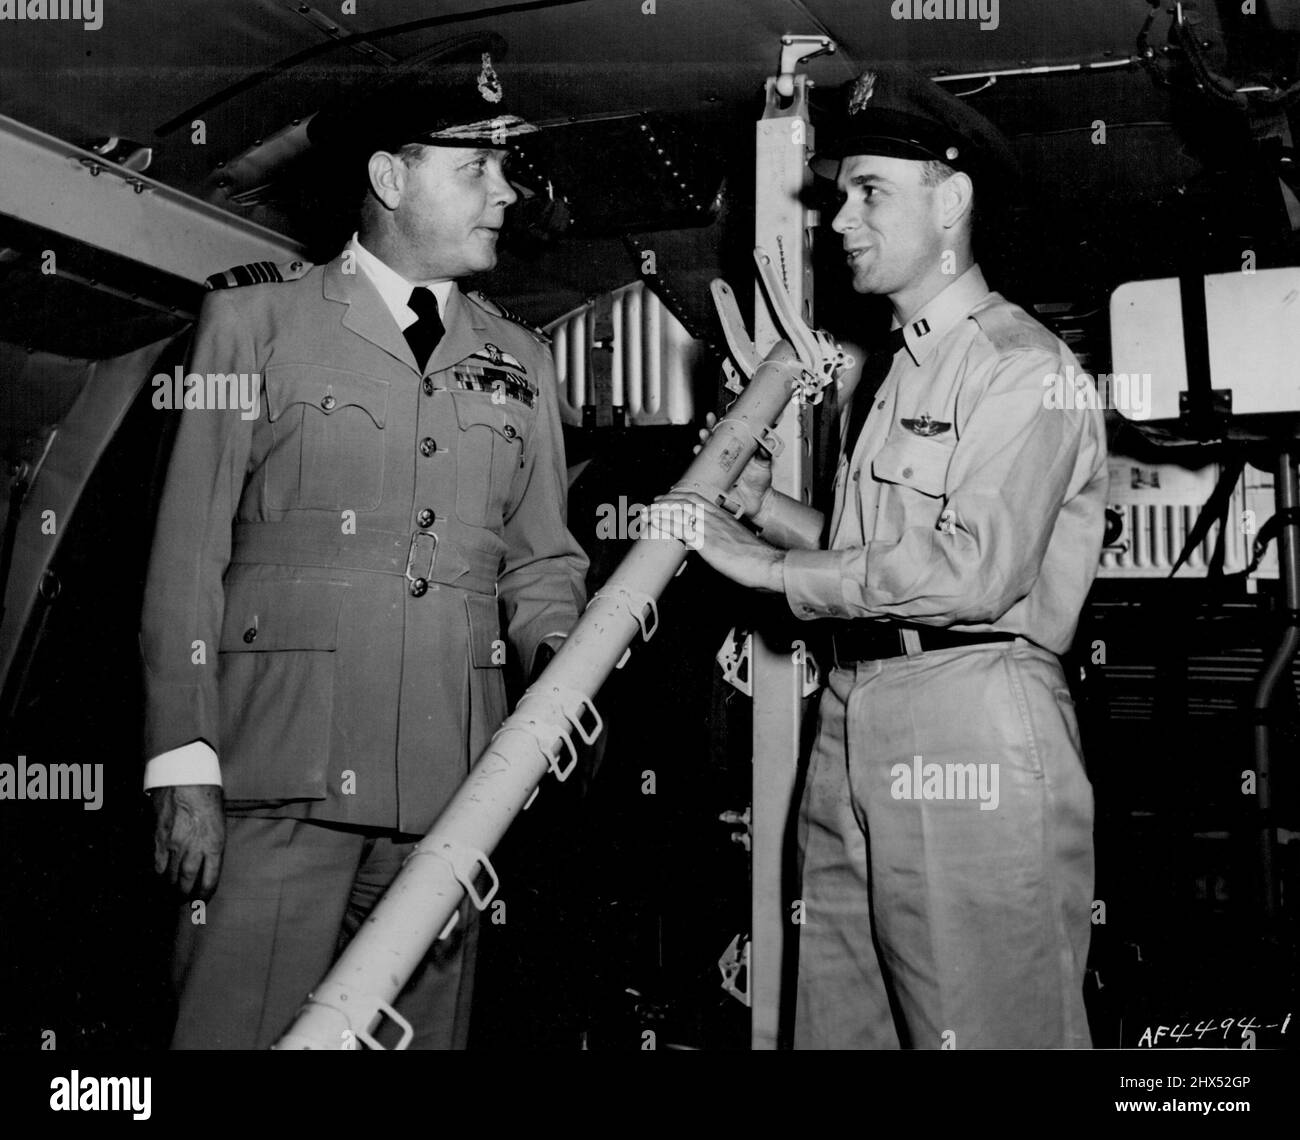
387	177
956	196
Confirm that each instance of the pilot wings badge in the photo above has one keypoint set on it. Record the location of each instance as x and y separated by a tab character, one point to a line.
924	426
863	89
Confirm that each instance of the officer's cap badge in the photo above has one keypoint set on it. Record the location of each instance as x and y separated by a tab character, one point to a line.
489	83
863	89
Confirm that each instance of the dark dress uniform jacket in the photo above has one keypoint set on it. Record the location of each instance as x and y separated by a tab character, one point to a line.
322	600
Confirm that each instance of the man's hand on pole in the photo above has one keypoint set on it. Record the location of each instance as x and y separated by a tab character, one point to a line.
723	542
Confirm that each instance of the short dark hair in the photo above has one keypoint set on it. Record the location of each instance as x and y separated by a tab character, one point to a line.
934	172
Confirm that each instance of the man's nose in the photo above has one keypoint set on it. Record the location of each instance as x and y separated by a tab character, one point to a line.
844	219
503	192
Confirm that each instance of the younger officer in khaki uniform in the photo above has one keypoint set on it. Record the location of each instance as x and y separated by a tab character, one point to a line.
321	631
946	827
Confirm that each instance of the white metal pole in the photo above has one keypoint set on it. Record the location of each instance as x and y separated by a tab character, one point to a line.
782	227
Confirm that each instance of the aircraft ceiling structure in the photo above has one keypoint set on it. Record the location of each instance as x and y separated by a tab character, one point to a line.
255	70
154	60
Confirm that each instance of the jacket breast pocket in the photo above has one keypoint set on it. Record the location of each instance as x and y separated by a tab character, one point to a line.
914	461
327	427
490	449
276	684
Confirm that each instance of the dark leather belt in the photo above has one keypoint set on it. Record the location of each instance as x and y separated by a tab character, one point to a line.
854	641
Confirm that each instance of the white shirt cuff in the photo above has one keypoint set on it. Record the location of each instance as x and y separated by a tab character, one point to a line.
814	582
193	763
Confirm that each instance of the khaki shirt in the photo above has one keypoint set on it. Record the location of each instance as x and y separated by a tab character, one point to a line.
970	500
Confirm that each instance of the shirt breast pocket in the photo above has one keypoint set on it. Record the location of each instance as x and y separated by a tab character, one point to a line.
918	462
327	429
490	449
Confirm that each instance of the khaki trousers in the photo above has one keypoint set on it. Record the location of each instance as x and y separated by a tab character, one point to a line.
945	838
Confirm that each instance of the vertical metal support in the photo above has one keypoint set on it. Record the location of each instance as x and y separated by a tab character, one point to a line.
783	227
1277	672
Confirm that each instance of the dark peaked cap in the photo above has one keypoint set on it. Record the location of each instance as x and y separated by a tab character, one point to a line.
460	102
894	111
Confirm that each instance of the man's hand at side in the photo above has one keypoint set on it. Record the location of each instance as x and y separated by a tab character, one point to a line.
189	837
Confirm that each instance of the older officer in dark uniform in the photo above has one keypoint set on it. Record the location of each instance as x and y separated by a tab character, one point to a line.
946	826
321	637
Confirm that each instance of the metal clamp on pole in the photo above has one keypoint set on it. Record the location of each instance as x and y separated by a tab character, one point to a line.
822	358
343	1000
640	606
462	859
818	352
767	438
552	759
408	1032
569	698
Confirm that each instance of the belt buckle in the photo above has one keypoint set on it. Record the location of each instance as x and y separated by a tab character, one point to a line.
837	639
413	552
889	634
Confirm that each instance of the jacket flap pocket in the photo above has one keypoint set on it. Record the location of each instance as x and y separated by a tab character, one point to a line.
486	649
485	409
916	462
328	390
280	614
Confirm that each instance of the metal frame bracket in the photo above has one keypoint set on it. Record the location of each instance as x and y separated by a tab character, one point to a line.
735	657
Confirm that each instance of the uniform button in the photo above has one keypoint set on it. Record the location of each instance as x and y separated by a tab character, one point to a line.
328	402
855	476
425	517
418	587
250	635
881	404
510	431
428	446
428	386
907	472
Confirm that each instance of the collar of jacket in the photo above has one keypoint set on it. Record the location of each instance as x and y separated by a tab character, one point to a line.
926	327
367	316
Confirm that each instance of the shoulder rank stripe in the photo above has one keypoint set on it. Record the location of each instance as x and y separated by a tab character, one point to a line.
496	308
258	273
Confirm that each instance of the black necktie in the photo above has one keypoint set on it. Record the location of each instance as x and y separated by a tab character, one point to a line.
874	370
424	335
